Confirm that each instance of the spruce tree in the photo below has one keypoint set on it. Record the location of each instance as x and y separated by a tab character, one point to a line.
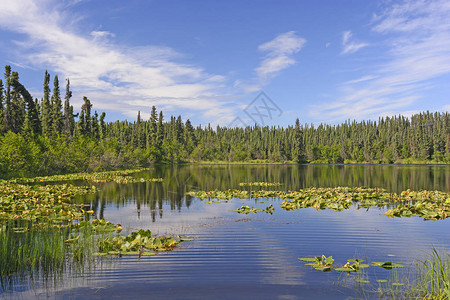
68	111
298	150
46	114
102	126
24	99
17	110
2	99
95	126
160	131
57	116
153	127
7	108
86	111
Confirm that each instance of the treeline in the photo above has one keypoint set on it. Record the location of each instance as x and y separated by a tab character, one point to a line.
44	136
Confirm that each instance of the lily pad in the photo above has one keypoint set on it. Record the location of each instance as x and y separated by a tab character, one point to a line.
362	281
388	265
311	259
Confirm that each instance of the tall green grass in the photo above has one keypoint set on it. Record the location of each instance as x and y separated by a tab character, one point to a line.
44	255
433	276
429	279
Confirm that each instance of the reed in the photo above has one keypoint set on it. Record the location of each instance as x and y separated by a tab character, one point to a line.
433	276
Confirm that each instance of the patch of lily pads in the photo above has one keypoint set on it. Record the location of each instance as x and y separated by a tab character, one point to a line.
41	205
326	264
137	243
265	184
250	209
429	205
121	176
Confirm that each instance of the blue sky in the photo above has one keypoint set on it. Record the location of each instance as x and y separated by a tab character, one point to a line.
319	61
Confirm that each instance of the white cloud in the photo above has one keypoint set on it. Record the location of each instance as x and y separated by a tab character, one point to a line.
349	46
279	55
418	50
101	34
113	77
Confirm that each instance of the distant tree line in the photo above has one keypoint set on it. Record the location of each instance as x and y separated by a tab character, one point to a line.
44	136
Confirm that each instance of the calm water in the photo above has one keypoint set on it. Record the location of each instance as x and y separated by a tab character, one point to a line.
237	256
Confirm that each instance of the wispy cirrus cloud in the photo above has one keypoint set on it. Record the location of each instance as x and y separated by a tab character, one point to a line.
279	55
116	77
349	46
417	50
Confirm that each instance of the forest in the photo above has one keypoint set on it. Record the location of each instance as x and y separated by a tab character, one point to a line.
45	136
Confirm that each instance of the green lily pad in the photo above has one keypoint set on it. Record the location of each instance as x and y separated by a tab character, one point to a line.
362	281
311	259
355	260
345	270
324	269
398	284
388	265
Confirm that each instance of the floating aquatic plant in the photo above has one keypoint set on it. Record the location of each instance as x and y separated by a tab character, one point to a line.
387	265
122	176
320	263
259	184
137	243
247	209
430	205
352	265
43	205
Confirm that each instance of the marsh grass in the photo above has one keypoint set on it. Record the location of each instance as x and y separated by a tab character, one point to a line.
432	280
427	279
45	256
33	254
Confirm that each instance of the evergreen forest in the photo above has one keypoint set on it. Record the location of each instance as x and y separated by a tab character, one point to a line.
45	136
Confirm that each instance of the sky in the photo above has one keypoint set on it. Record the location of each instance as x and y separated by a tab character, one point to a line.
236	63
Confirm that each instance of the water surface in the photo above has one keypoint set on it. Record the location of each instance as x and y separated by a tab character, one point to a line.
247	256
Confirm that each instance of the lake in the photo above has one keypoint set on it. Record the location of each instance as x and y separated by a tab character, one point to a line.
238	256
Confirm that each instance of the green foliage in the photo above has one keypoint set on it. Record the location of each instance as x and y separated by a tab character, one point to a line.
247	209
320	263
137	243
61	145
431	205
